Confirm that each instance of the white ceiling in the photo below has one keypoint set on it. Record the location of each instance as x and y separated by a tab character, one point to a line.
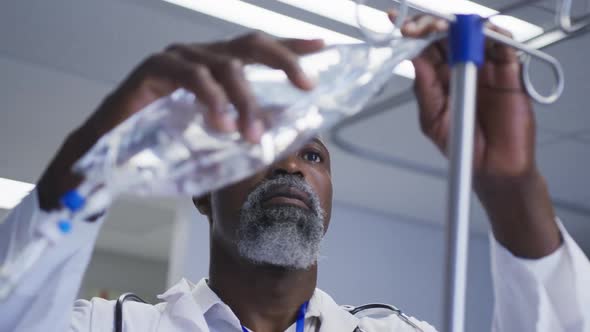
59	58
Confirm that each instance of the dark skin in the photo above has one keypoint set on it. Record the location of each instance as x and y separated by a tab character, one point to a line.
265	298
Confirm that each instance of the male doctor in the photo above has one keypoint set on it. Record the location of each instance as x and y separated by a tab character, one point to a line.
265	231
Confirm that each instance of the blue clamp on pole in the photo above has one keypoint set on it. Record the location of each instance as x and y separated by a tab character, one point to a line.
73	200
466	40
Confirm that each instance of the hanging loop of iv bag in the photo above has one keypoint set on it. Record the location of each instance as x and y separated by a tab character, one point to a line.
376	35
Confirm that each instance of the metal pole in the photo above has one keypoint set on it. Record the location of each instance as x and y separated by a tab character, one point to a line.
466	54
463	87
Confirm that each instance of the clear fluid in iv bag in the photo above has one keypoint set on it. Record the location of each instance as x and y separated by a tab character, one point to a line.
166	148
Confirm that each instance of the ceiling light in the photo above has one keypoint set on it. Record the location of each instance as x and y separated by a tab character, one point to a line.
344	11
12	192
453	7
521	30
279	25
258	18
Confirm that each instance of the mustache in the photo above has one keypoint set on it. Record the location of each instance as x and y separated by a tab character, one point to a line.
257	195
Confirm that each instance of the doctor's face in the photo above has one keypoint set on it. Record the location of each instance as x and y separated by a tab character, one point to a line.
278	216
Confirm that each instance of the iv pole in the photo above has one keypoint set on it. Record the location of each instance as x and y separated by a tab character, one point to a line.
466	41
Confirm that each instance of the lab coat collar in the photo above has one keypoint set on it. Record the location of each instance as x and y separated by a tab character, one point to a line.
332	316
181	305
185	299
175	292
190	303
202	295
207	300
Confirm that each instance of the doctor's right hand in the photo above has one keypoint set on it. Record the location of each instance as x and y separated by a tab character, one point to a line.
212	71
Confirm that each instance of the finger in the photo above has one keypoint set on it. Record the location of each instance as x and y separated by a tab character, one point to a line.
504	77
427	24
259	47
229	72
198	78
436	54
303	46
501	70
212	95
409	27
433	61
420	26
423	25
498	52
431	86
431	89
392	14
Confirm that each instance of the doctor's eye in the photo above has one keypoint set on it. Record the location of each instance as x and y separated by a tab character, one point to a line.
312	156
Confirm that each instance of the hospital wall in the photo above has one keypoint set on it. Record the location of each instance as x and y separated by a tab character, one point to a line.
110	274
367	257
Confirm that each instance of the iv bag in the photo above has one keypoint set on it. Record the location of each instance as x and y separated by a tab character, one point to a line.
167	150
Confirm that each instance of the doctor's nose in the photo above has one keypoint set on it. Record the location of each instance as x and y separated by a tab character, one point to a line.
290	165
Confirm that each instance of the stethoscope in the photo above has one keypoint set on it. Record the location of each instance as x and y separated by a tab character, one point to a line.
366	310
363	310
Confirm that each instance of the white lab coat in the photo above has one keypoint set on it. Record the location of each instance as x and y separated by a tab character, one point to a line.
188	307
551	294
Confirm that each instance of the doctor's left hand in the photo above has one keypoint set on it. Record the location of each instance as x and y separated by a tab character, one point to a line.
506	177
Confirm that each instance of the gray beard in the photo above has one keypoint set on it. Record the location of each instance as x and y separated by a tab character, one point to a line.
283	236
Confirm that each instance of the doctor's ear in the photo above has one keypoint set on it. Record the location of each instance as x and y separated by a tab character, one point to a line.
203	204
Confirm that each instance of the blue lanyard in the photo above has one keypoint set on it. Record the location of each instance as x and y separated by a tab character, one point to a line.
300	318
